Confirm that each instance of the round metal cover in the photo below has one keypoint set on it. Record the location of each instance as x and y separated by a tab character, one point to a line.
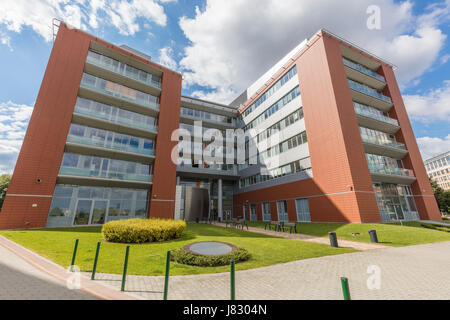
210	248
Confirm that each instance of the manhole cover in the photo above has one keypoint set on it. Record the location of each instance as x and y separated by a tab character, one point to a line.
210	248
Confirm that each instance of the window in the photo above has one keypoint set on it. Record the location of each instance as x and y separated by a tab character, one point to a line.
282	211
266	211
303	214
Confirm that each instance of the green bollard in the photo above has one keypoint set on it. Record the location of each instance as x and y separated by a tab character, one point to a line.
125	265
166	279
95	261
232	282
345	288
74	255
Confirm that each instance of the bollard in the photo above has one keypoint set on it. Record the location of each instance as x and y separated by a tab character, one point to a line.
166	279
125	265
373	236
232	281
94	268
74	255
333	239
345	288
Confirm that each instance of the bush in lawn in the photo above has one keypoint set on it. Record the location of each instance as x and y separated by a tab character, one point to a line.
143	230
185	257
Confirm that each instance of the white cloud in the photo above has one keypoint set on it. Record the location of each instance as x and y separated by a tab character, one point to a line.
166	58
13	125
38	14
431	147
6	40
431	106
234	42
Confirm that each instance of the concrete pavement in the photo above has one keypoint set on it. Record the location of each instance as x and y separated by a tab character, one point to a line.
415	272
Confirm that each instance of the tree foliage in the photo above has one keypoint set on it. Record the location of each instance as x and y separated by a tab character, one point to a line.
442	197
4	183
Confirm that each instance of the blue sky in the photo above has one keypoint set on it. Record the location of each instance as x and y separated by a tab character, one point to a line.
221	47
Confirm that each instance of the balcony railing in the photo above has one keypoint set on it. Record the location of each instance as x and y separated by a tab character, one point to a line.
102	86
364	70
369	91
114	119
382	142
390	170
109	145
81	172
122	69
211	168
363	112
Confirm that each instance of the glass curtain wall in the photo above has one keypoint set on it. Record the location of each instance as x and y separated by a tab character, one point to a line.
395	202
82	205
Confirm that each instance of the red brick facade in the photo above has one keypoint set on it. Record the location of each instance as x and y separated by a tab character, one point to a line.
341	188
27	202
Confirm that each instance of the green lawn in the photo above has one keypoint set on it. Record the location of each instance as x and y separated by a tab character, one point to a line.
149	259
390	234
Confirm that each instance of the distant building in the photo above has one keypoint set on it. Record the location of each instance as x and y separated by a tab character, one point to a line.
438	169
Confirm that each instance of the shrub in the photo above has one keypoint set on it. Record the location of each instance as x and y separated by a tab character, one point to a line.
185	257
143	230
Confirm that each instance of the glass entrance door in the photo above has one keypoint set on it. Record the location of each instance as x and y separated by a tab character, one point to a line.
99	212
90	212
253	216
399	212
83	212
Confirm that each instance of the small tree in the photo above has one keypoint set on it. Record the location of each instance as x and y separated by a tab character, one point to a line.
442	197
4	183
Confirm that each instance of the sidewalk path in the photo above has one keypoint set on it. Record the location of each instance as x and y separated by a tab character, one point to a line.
360	246
415	272
436	223
26	275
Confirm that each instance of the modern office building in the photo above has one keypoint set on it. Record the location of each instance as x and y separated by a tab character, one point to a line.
332	137
438	169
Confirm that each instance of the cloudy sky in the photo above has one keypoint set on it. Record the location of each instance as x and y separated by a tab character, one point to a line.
221	47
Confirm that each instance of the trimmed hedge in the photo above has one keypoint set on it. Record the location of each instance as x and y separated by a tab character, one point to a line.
143	230
184	257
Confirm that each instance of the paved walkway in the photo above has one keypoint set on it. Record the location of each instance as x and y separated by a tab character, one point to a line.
415	272
360	246
439	223
25	275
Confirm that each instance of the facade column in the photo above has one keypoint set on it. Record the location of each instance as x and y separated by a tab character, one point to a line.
178	180
219	200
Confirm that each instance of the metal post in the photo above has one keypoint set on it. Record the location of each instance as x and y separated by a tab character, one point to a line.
74	255
94	268
333	239
232	281
345	288
166	279
125	265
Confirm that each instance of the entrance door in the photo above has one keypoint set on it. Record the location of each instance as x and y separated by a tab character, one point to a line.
98	215
399	212
253	216
83	212
90	212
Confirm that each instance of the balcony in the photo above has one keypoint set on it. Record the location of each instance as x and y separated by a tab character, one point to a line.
111	93
116	123
122	69
383	147
374	120
364	75
109	149
369	96
101	178
216	171
391	175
